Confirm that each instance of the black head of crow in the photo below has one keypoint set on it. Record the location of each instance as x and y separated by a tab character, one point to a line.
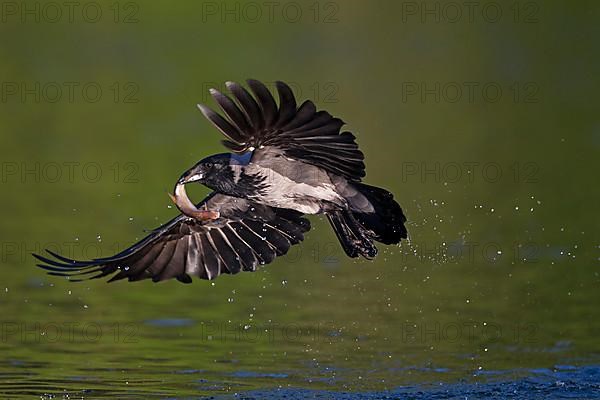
286	161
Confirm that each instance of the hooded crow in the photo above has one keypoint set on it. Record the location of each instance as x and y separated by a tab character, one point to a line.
285	161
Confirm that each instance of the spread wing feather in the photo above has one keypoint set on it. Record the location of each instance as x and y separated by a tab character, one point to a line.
245	235
252	122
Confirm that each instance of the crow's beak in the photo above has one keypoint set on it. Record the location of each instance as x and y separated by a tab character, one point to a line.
189	177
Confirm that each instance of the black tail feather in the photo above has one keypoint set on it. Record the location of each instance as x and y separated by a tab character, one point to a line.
380	220
386	223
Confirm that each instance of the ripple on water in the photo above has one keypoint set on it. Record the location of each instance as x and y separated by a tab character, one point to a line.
169	322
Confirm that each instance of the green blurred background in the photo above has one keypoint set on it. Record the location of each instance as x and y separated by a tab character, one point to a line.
482	121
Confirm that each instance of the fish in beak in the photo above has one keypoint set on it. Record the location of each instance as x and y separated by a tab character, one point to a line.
185	205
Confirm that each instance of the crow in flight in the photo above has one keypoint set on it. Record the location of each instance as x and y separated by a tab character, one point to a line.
286	161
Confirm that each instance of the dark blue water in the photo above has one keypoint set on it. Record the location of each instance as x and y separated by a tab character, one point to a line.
561	382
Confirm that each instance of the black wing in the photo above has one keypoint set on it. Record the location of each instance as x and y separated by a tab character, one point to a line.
244	236
303	133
